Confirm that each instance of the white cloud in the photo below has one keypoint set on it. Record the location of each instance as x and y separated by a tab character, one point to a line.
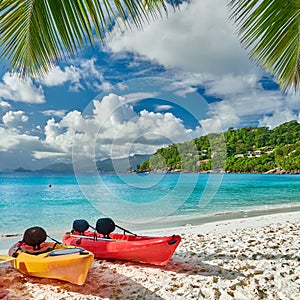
228	85
219	123
249	106
90	69
162	107
54	113
23	90
139	95
242	99
49	154
16	149
278	117
198	38
4	105
12	139
200	43
8	139
104	86
82	74
199	47
14	118
58	77
115	129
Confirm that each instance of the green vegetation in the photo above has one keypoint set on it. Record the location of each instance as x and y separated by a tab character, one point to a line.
269	30
35	35
248	150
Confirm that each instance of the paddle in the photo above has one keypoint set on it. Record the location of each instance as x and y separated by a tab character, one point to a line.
5	258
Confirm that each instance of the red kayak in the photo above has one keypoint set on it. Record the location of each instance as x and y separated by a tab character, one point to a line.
130	247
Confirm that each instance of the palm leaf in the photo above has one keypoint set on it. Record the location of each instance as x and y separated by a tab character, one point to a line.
270	29
36	34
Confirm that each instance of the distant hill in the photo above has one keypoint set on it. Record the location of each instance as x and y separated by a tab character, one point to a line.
107	165
121	164
58	167
22	170
248	150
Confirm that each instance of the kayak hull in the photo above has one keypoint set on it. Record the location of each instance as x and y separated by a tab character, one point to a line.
141	249
64	263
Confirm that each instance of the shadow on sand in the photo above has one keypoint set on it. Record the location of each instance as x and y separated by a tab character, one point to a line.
102	282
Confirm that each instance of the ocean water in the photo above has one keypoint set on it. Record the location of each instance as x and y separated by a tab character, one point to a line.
137	201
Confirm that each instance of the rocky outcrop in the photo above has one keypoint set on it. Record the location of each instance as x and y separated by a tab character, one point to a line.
282	171
276	171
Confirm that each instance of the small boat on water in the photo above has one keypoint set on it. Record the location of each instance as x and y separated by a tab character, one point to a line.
35	257
127	246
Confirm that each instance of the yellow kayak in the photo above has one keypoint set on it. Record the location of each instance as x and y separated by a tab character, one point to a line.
52	260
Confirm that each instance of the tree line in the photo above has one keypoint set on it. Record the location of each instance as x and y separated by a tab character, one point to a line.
245	150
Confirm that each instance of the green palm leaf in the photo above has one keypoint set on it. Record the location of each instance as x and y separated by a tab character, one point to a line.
270	29
34	34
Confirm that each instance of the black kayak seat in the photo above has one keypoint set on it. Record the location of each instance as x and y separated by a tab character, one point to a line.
81	226
105	226
34	236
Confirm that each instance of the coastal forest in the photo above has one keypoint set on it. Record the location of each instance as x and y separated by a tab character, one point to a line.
245	150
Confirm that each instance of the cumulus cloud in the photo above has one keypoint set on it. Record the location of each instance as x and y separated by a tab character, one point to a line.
278	117
14	118
23	90
4	105
199	47
8	139
240	100
114	129
198	38
249	105
229	85
17	150
13	141
57	76
82	74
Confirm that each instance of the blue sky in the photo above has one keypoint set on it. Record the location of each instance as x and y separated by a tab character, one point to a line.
194	49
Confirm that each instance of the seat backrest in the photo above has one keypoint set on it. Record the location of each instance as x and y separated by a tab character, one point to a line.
81	226
34	236
105	226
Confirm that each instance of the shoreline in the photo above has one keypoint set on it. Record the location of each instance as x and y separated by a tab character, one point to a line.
196	220
274	171
244	258
258	221
168	224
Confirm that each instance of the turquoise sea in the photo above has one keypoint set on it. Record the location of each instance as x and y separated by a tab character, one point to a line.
137	201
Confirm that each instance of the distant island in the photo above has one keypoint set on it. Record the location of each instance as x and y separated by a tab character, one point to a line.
22	170
121	165
248	150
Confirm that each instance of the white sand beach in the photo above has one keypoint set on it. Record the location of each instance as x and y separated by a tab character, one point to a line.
249	258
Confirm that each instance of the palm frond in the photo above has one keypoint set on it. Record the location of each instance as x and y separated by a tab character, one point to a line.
36	34
270	29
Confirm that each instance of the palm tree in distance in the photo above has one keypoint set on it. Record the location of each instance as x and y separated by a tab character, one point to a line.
270	29
34	34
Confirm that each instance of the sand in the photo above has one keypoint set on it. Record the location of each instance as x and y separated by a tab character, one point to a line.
249	258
